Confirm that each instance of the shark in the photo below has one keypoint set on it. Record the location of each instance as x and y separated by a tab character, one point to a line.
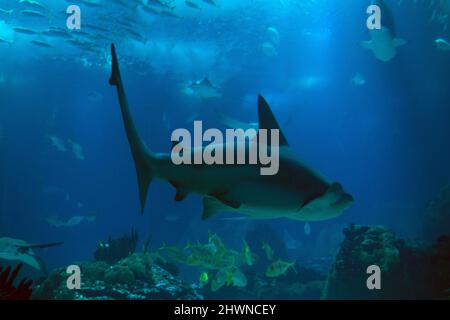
20	250
296	192
55	221
203	89
383	42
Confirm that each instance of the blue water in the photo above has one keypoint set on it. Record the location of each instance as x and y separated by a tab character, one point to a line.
386	141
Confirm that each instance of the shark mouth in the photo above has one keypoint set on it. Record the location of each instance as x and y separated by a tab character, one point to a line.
345	199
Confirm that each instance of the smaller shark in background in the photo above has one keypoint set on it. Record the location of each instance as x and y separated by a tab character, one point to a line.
55	221
20	250
383	42
203	89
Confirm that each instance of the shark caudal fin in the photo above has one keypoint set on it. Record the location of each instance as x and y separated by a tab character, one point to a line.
141	154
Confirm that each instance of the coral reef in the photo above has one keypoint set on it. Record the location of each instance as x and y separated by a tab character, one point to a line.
7	289
114	250
437	215
409	270
136	277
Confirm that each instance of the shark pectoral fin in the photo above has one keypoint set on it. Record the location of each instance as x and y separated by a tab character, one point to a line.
210	207
306	202
233	204
213	205
399	42
366	44
181	193
34	262
221	197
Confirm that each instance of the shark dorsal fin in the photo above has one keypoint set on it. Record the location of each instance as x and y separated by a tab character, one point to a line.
267	119
206	82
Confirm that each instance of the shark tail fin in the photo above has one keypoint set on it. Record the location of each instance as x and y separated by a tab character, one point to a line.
143	157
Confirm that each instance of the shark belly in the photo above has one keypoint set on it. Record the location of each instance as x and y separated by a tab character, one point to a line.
242	188
265	201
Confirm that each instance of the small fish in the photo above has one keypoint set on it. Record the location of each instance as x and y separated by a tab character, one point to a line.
33	3
236	278
33	13
174	253
24	30
150	10
135	35
77	150
358	80
160	3
95	96
9	42
268	250
248	255
58	143
56	33
192	4
291	243
92	3
42	44
72	222
442	44
211	2
6	12
273	35
219	280
307	229
279	268
268	49
204	279
169	14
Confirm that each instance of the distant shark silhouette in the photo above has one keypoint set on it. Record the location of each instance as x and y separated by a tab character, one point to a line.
203	89
383	42
20	250
295	192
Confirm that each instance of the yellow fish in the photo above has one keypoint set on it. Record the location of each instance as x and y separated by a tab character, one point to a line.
204	279
278	268
247	254
268	250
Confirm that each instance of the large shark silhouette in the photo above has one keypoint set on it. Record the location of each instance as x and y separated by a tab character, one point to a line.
295	192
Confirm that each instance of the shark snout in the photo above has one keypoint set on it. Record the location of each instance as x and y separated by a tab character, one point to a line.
344	200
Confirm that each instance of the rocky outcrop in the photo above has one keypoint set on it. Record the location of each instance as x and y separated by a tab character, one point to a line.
437	216
409	270
136	277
